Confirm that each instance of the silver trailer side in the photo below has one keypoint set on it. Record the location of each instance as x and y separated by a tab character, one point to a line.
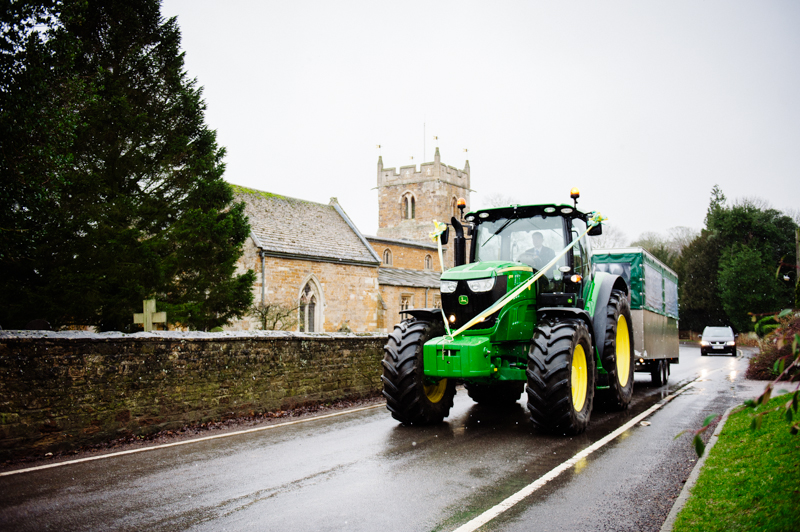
654	336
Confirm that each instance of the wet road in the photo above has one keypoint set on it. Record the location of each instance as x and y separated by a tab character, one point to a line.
362	471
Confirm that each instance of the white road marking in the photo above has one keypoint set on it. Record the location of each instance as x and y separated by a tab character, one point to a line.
507	504
186	442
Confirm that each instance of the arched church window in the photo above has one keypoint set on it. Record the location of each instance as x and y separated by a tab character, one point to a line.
308	308
454	206
409	206
428	262
387	257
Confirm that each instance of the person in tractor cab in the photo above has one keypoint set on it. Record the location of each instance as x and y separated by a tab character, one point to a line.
539	254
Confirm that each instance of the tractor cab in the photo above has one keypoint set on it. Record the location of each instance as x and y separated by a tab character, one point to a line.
532	235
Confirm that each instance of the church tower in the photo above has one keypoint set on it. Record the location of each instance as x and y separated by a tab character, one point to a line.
409	200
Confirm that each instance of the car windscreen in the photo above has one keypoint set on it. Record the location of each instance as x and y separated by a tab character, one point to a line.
717	332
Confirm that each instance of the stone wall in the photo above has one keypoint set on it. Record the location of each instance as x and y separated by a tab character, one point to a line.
63	390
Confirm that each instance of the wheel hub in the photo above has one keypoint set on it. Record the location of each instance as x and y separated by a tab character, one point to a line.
580	377
623	354
435	392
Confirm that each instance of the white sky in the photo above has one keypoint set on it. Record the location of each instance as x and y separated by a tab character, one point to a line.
642	105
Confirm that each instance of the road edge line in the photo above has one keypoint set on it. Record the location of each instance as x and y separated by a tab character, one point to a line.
528	490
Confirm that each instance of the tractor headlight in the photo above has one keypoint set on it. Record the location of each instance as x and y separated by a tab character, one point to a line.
481	285
448	287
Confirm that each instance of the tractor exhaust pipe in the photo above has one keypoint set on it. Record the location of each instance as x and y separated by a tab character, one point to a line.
459	243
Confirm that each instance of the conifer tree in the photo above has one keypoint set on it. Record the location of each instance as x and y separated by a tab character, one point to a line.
124	199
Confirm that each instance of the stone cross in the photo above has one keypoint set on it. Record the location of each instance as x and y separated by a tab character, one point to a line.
150	316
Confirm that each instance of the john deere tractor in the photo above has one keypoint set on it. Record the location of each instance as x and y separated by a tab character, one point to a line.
525	312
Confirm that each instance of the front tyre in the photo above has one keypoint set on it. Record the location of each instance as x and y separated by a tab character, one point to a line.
561	377
618	351
410	397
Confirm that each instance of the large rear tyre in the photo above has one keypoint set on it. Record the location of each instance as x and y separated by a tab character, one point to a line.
410	397
618	353
504	393
561	377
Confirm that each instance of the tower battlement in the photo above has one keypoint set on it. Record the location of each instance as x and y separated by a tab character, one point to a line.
427	171
410	198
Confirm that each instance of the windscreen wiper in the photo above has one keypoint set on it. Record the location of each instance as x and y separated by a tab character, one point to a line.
502	227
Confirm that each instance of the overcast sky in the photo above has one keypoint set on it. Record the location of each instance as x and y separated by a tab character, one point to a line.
642	105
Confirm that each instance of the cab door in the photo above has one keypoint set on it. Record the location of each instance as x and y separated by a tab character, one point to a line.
580	259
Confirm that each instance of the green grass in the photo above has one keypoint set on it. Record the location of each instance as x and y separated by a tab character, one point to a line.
751	479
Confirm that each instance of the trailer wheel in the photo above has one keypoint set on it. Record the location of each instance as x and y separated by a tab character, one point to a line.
561	377
659	372
618	353
504	393
410	397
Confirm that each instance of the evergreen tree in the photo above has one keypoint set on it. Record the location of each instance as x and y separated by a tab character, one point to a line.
716	204
746	285
700	304
128	202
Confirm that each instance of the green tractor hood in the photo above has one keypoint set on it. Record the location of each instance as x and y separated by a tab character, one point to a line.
483	270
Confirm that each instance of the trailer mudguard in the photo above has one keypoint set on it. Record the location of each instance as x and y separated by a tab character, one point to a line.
608	282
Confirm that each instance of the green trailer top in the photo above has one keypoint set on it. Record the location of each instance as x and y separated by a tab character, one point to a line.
654	286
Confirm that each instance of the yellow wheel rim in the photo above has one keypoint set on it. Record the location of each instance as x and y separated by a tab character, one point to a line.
623	351
435	392
580	377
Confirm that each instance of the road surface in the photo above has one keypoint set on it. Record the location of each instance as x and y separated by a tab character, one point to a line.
363	471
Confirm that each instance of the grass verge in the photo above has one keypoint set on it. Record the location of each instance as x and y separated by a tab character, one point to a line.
751	479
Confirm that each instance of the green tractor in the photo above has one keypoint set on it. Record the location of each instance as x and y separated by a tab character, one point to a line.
537	319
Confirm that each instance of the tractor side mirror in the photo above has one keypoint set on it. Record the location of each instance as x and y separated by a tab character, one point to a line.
444	237
596	230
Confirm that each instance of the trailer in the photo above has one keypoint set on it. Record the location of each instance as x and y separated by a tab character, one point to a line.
654	306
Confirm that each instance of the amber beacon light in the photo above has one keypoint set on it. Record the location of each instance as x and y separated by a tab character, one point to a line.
575	194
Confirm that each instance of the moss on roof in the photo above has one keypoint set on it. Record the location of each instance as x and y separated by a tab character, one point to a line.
238	189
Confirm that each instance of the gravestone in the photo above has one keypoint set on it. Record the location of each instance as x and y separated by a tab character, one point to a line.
149	316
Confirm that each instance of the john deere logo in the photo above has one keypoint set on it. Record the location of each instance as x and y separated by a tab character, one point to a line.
463	300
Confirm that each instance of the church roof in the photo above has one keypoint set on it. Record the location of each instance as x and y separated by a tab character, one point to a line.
404	277
294	228
402	242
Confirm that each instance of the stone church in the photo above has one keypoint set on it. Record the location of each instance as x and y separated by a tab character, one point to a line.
310	258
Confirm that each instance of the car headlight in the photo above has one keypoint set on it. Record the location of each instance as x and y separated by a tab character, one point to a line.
705	344
732	342
481	285
448	287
